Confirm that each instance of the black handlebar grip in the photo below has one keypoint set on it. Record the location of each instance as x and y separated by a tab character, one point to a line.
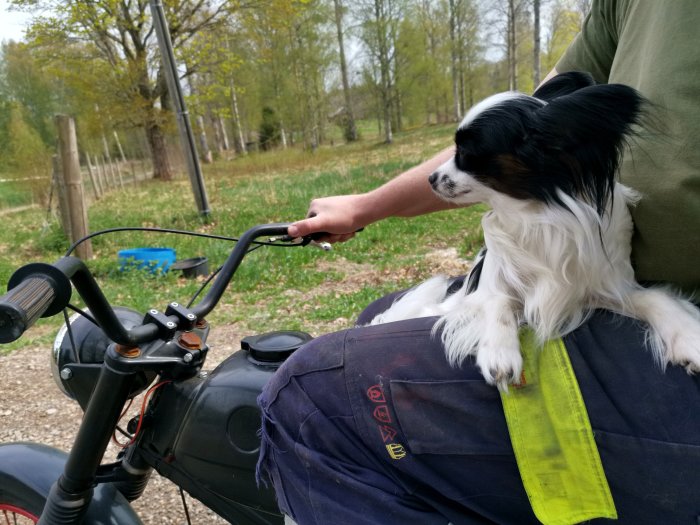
23	305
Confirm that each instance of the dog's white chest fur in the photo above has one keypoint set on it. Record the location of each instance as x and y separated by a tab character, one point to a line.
549	267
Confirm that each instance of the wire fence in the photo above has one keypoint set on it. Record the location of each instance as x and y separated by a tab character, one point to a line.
99	174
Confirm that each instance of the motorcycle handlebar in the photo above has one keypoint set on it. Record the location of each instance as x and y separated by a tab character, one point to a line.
41	290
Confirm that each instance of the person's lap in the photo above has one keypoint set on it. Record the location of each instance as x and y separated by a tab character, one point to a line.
371	425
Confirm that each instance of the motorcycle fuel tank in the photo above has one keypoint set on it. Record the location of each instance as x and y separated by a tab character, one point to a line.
206	429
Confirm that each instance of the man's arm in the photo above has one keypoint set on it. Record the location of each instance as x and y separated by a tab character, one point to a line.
407	195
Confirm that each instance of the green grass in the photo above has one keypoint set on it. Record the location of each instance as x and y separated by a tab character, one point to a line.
13	194
295	288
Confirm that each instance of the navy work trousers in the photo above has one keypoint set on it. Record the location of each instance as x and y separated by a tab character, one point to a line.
372	426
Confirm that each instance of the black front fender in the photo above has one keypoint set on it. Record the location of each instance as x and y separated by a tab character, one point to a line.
34	468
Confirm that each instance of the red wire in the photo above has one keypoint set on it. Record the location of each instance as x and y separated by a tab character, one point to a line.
143	408
114	434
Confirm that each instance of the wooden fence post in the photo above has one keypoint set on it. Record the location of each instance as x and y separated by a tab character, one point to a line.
70	163
103	173
94	176
93	181
62	196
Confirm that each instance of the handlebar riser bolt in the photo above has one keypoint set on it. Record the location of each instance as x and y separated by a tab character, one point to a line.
153	312
174	305
188	357
190	341
170	324
191	317
128	351
66	374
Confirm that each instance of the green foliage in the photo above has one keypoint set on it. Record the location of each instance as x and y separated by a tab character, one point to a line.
565	24
24	82
270	129
27	153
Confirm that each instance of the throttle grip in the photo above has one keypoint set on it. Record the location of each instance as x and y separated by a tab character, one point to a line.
22	306
34	290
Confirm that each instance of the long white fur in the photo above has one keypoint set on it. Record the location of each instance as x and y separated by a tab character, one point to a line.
548	268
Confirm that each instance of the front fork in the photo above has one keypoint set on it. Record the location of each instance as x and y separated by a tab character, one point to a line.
71	494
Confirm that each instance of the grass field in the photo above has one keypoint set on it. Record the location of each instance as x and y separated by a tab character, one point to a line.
274	288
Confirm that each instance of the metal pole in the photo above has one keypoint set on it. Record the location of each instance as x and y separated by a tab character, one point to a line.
183	121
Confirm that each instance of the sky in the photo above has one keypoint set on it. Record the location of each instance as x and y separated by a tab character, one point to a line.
12	23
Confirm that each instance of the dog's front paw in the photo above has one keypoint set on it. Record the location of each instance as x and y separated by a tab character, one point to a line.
493	340
499	359
684	349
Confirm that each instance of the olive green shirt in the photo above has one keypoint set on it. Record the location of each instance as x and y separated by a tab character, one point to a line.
654	46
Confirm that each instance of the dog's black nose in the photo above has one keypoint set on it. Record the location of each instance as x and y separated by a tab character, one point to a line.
433	177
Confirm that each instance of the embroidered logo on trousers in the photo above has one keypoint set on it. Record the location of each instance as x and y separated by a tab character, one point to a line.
376	394
396	451
387	432
381	413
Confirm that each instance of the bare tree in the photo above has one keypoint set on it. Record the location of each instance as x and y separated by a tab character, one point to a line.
453	61
379	20
240	141
536	72
508	17
465	51
349	125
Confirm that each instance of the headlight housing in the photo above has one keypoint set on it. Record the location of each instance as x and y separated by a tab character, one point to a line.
78	354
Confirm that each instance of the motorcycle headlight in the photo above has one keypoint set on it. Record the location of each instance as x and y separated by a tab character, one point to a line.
78	353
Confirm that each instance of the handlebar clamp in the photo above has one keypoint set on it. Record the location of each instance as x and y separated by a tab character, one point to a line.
166	327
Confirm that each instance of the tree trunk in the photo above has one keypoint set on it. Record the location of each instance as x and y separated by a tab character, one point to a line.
240	141
350	126
224	134
453	58
159	152
204	151
536	73
384	66
512	48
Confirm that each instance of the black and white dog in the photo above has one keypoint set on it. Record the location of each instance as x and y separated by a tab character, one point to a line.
558	235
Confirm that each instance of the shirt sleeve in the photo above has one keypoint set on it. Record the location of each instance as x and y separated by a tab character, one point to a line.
593	49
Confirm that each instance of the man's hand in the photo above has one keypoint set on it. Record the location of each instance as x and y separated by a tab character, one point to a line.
330	219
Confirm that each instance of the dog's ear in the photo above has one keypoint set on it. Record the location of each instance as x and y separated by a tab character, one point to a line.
563	84
584	135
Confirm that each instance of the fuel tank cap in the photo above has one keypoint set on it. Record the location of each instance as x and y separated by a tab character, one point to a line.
274	347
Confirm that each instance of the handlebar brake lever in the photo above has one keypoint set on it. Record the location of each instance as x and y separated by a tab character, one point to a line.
303	241
307	240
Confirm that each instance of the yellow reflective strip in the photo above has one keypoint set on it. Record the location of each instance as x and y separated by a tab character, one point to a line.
552	438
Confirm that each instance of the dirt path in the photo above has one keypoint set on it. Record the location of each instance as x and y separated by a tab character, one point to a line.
16	209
